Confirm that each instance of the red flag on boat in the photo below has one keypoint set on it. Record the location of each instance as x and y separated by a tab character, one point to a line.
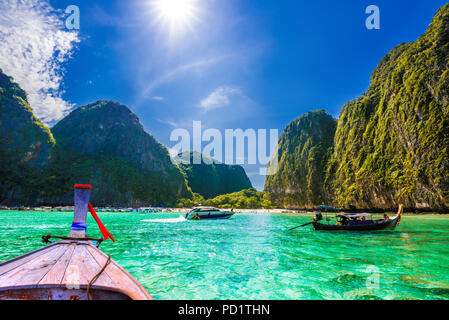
106	234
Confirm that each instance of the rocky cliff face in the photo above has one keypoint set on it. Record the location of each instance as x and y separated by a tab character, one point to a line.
105	145
211	179
392	144
303	152
22	135
25	144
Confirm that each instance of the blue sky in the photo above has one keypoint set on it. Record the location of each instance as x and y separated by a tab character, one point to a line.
233	63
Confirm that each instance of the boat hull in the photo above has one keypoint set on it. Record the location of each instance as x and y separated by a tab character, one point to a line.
202	216
61	293
376	226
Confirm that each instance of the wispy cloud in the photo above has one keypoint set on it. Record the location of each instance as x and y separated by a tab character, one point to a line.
184	123
220	97
171	123
157	98
172	74
34	44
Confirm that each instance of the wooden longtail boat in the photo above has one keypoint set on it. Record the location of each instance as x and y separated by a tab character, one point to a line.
350	222
71	269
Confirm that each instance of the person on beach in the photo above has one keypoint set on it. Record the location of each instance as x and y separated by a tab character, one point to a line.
318	216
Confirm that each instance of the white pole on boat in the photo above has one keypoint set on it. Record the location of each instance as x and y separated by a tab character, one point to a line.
82	197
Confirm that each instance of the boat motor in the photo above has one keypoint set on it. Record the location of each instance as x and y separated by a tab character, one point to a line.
318	216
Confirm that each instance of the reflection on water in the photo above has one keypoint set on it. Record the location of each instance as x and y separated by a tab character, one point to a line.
252	256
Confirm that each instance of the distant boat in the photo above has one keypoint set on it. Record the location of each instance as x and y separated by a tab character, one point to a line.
70	269
358	222
202	213
328	209
145	210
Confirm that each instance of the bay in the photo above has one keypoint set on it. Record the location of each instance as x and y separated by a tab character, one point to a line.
253	256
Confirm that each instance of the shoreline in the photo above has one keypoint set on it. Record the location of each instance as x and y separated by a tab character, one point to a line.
185	210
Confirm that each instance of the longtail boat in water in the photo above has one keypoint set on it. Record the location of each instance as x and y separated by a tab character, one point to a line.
358	222
70	269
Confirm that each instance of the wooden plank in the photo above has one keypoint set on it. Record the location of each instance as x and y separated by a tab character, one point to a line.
103	280
31	272
77	273
55	275
19	261
124	281
69	264
82	268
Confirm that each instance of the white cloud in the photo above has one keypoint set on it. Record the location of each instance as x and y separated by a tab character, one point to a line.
34	44
219	98
158	98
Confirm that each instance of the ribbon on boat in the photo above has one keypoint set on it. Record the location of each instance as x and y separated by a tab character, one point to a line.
106	234
78	226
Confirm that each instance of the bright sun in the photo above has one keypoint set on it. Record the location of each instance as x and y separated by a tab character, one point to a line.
177	13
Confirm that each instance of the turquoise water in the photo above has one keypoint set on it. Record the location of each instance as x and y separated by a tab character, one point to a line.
252	256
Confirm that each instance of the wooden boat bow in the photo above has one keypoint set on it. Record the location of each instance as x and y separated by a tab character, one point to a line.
69	269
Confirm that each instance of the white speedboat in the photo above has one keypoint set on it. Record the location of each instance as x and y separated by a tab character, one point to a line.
201	213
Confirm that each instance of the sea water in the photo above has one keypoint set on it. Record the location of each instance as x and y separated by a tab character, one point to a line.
253	256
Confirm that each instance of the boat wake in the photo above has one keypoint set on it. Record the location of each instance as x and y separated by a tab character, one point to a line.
173	220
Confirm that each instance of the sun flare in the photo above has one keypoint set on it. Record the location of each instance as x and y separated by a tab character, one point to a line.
177	13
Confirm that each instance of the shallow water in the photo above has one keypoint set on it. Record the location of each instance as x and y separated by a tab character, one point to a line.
252	256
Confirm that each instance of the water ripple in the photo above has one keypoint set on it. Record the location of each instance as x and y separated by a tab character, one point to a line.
252	256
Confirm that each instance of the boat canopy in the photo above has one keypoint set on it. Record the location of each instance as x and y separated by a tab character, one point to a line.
354	215
205	209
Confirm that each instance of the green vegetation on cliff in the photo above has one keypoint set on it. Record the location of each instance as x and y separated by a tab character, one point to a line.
25	145
303	152
244	199
388	147
211	179
105	145
392	144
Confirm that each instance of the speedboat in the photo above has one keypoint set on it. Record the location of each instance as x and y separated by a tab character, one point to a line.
201	213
